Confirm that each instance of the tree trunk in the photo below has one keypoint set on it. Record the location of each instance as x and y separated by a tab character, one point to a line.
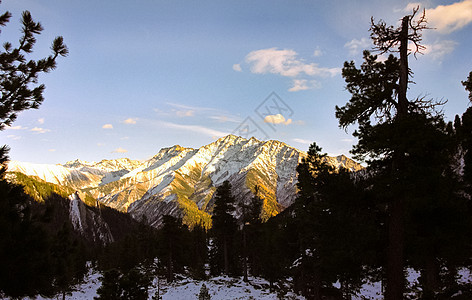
245	255
317	285
403	81
225	249
170	271
431	274
395	276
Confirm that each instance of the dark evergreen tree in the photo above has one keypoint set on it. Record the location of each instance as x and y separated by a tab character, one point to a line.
379	92
223	256
173	244
199	254
251	219
135	285
110	288
68	260
274	251
204	294
24	245
116	285
18	75
468	85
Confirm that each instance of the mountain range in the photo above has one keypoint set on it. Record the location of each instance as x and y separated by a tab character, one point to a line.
181	181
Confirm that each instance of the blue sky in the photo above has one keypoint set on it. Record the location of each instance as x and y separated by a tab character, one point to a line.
142	74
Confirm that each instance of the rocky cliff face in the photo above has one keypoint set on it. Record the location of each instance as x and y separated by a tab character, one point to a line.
181	181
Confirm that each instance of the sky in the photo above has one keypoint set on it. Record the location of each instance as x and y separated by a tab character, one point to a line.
146	74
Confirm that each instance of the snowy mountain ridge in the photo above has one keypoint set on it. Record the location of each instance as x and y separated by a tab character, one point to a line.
181	181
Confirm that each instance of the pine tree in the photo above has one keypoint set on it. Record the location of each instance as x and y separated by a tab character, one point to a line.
251	219
135	285
68	260
468	85
199	253
24	245
173	244
18	75
204	293
223	258
379	92
110	288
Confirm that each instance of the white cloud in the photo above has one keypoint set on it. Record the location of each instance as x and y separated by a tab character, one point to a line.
237	68
41	121
14	137
357	46
119	150
303	84
226	118
184	113
52	150
285	62
439	49
194	128
39	130
410	7
277	119
302	141
100	144
107	126
299	85
221	119
19	127
317	52
449	18
130	121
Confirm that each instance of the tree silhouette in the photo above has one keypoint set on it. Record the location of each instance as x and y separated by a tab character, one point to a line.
468	85
223	230
379	92
18	75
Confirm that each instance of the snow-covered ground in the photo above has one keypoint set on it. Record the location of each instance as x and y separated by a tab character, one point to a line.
220	288
223	288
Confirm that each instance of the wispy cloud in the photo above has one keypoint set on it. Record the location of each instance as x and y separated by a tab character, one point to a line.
185	113
107	126
14	137
237	68
449	18
130	121
439	49
317	52
194	128
225	118
52	150
284	62
356	46
119	150
19	127
41	121
304	84
39	130
302	141
277	119
182	110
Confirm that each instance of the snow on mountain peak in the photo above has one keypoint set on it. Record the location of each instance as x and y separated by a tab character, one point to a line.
181	181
